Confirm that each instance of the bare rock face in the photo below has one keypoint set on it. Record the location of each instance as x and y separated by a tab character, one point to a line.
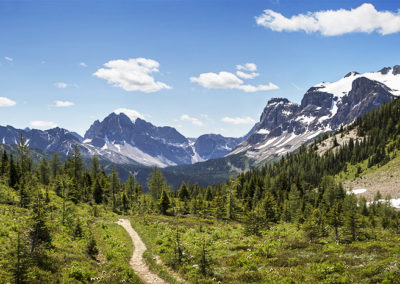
285	126
364	96
121	140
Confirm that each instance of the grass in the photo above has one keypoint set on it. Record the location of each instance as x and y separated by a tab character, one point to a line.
279	255
68	260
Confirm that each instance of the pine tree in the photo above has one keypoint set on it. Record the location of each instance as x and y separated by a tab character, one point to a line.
183	192
352	217
98	192
12	173
95	166
23	155
77	163
44	172
312	225
268	209
336	219
164	203
55	165
114	187
4	163
156	182
294	202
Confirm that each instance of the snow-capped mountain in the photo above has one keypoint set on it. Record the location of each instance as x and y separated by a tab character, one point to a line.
140	141
124	139
55	140
285	126
211	146
149	145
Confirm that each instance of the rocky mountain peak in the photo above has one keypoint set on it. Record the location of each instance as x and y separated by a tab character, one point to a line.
284	126
275	101
396	70
352	73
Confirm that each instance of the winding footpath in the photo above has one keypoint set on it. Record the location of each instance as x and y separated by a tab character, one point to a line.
136	262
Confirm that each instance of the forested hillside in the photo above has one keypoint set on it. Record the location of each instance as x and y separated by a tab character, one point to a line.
290	221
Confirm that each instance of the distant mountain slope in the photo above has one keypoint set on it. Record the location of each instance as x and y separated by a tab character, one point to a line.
122	140
56	140
285	126
150	145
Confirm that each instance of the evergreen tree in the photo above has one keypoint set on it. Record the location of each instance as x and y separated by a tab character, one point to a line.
268	209
44	172
156	182
55	165
12	173
183	192
352	217
294	202
164	203
4	163
23	155
313	225
98	192
95	166
335	219
114	187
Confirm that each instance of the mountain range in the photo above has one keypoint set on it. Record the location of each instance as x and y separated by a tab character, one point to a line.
283	127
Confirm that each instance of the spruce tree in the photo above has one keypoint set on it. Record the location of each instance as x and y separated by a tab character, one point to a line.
156	182
98	192
183	192
164	203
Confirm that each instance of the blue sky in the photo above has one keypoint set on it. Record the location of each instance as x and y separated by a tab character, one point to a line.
52	57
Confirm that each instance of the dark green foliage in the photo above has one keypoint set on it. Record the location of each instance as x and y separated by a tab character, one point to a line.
183	192
98	192
156	182
164	203
92	249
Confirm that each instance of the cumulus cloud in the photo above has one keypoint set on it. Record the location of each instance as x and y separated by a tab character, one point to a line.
6	102
42	124
221	80
244	75
247	67
135	74
238	120
8	58
63	104
364	18
228	80
193	120
83	64
132	114
61	85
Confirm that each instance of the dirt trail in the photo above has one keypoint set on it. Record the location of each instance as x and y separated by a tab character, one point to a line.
136	262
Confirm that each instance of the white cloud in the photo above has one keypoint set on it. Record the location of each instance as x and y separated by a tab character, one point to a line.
83	64
6	102
364	18
8	58
247	67
132	114
42	124
193	120
244	75
134	74
63	104
238	120
228	80
222	80
61	85
252	88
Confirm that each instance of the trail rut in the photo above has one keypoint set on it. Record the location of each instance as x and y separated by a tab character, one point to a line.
137	262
